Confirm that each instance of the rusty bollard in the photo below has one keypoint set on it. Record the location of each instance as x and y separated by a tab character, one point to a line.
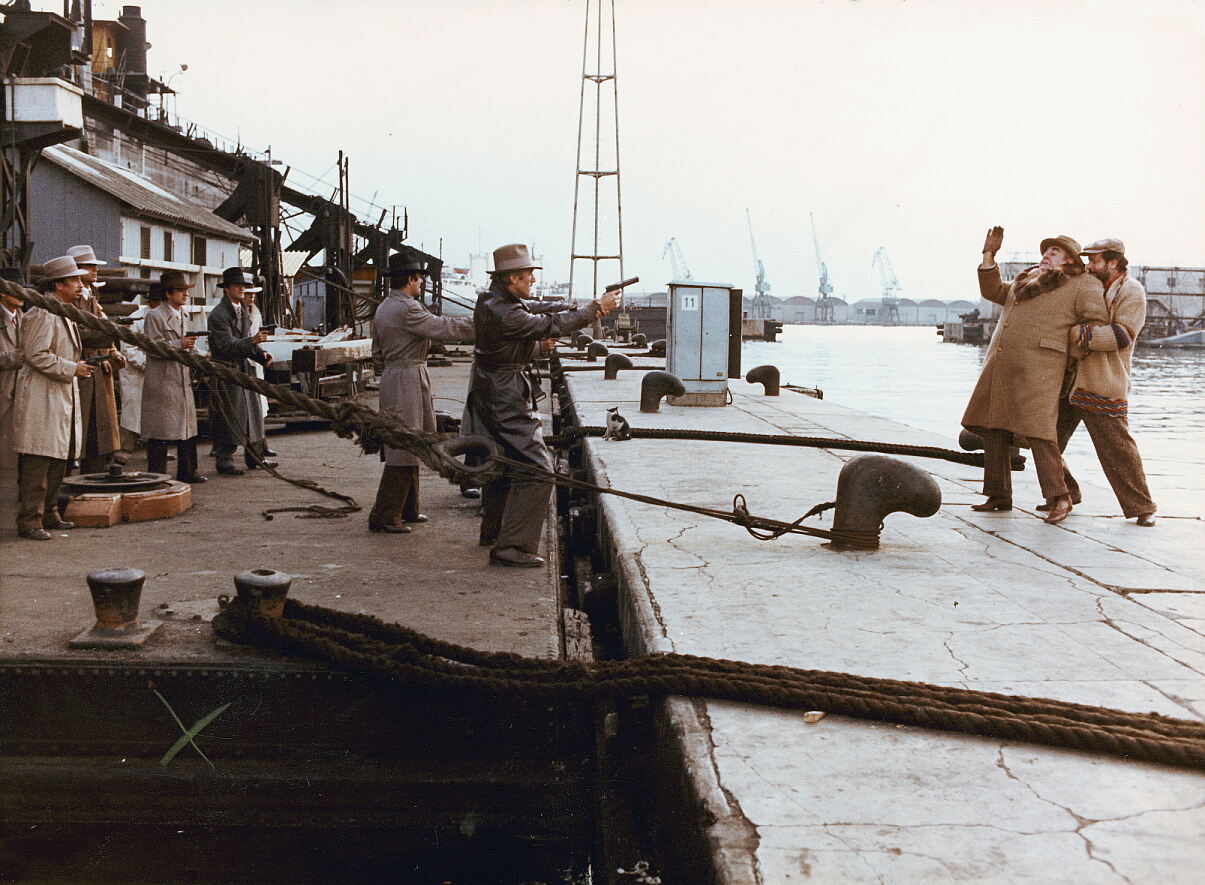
871	486
580	340
767	376
116	593
594	350
262	591
639	340
614	363
657	348
656	384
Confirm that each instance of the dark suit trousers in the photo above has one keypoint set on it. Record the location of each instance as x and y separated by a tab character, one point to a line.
513	509
397	497
38	481
1117	453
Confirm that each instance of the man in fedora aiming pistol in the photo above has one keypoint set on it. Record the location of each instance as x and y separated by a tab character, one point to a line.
502	398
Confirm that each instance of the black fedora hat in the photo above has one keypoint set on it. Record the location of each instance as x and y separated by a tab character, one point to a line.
13	275
174	279
236	276
405	263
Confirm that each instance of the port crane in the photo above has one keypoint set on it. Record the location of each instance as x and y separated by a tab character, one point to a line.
890	285
760	307
824	304
677	262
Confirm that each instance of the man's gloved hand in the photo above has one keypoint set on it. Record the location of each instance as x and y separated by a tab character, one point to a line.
993	240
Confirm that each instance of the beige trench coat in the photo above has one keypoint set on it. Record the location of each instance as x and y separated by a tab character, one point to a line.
168	408
96	393
47	408
1022	377
402	333
11	361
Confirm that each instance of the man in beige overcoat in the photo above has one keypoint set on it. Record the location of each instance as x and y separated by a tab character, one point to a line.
11	361
402	333
102	432
168	410
47	429
1016	398
1100	396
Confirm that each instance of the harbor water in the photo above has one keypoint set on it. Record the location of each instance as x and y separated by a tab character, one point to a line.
908	374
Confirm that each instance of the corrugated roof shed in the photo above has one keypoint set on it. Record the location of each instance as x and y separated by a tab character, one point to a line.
141	194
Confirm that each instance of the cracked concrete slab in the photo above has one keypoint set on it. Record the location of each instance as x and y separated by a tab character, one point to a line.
994	602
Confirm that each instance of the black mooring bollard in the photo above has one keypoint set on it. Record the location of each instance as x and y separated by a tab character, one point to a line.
594	350
580	340
766	376
614	363
871	486
640	340
656	384
657	348
116	594
262	591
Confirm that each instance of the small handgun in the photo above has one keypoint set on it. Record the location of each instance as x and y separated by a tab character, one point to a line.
197	334
622	284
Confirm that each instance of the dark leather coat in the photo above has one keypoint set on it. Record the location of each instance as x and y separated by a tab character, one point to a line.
230	342
502	387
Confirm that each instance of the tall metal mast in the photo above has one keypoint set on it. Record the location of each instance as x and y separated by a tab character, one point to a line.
824	304
760	307
593	64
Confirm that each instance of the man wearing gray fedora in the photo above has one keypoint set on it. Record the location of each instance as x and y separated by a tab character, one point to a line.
502	396
102	431
47	426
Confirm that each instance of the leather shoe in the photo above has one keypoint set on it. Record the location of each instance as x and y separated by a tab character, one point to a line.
1045	508
195	479
992	504
1147	520
422	517
1059	510
60	526
268	453
227	468
36	535
515	558
470	493
252	464
391	529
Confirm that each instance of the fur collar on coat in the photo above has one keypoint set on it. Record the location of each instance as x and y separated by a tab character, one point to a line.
1034	282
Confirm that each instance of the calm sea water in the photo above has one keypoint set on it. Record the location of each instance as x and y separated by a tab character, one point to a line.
908	374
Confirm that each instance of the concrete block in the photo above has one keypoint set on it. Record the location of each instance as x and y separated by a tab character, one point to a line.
94	511
157	503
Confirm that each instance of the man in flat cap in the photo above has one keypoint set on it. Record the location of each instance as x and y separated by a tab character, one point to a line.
402	334
234	414
1016	399
102	432
47	425
502	401
1100	395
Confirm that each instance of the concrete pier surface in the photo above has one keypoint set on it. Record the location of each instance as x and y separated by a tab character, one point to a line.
1095	611
435	579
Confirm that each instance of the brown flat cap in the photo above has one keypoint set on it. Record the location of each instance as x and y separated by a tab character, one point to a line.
1106	245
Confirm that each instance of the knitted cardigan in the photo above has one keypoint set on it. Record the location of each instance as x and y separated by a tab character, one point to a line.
1102	379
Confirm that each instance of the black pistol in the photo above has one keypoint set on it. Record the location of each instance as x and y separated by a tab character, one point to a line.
614	287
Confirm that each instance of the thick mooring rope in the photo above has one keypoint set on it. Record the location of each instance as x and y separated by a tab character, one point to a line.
974	459
364	644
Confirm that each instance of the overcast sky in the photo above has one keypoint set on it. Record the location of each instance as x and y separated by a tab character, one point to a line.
910	125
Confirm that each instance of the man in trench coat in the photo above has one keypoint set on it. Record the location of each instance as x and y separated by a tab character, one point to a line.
169	412
1026	368
234	414
502	401
48	430
11	361
102	431
402	333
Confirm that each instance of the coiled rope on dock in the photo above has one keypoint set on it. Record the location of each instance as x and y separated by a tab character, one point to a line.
367	645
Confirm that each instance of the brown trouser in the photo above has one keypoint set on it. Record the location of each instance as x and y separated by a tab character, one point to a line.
513	509
1117	453
397	497
997	470
38	481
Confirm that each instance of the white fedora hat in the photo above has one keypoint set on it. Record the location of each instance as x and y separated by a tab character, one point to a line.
514	256
84	255
61	268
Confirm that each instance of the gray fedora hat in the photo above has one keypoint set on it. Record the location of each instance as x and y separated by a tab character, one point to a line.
61	268
1068	245
84	255
514	256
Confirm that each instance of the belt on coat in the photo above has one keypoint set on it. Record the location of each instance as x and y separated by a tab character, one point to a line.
513	367
404	364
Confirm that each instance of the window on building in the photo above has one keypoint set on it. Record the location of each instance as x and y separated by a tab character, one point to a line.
169	250
145	251
198	251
